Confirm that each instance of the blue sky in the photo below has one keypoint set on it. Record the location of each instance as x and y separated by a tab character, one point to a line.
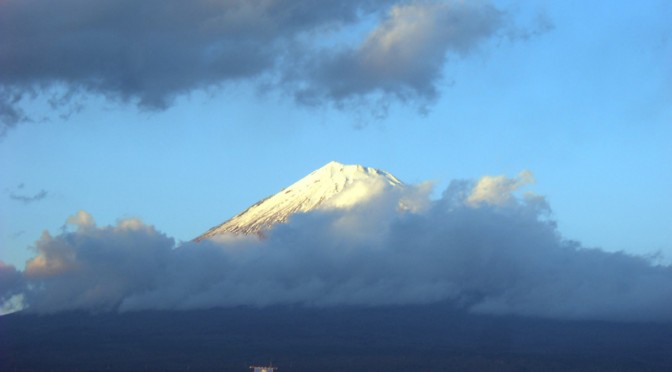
578	93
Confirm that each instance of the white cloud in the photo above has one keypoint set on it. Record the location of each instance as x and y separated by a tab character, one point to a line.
499	257
498	190
415	37
81	219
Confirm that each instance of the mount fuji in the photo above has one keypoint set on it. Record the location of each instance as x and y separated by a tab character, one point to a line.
335	185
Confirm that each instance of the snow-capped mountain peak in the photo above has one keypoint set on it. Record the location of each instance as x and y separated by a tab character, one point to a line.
334	185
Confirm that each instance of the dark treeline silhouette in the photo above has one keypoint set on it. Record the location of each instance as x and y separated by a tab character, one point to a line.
395	338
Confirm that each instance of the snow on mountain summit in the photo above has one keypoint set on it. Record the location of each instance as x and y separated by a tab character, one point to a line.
335	185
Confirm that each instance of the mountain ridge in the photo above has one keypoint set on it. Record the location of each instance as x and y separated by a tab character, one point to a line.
334	185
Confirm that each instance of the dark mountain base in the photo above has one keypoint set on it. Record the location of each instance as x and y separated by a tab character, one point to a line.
408	338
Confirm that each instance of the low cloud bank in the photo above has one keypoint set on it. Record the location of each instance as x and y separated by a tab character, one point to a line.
482	246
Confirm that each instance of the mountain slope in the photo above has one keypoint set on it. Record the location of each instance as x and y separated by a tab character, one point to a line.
335	185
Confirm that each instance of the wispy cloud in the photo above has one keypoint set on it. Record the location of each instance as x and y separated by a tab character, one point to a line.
27	199
491	257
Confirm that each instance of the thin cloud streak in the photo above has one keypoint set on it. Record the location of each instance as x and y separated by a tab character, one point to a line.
27	199
492	257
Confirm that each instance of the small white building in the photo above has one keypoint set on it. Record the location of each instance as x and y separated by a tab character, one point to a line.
263	369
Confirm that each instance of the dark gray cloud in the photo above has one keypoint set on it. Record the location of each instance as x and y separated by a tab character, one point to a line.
10	113
488	252
149	52
404	56
11	287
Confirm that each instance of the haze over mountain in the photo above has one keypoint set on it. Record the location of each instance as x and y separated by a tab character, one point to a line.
335	185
